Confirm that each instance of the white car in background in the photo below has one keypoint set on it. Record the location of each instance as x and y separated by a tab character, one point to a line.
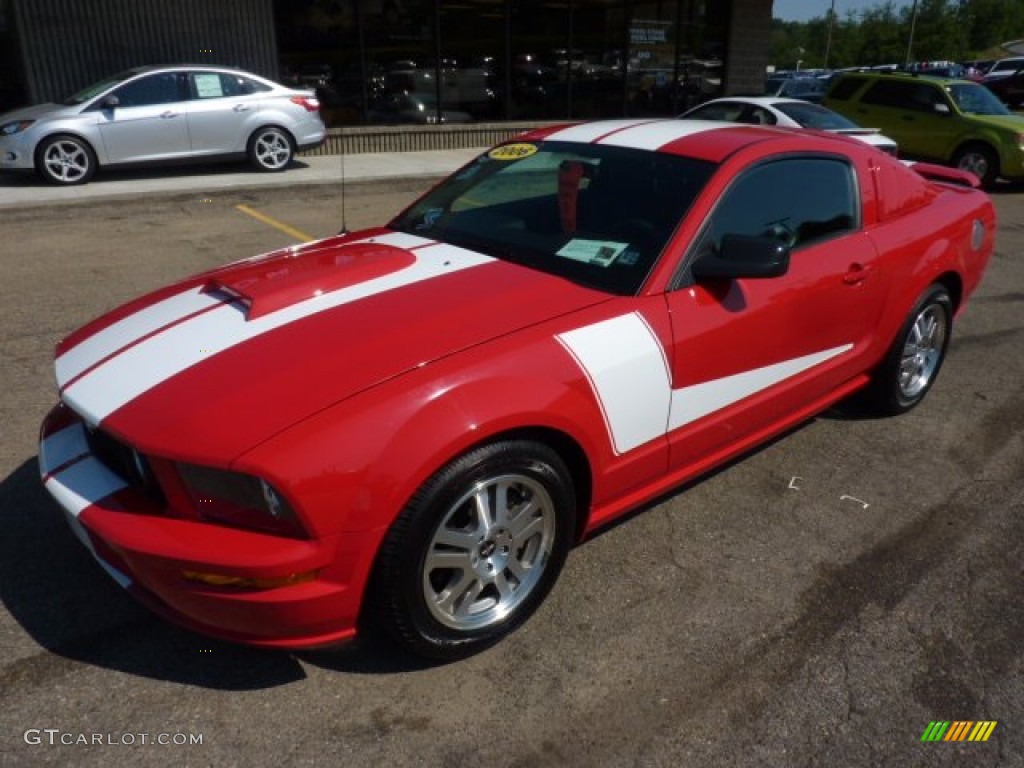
788	113
160	115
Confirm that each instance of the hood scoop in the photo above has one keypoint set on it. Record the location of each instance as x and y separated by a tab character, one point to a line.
269	285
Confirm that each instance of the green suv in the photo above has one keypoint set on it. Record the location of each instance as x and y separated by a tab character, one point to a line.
955	122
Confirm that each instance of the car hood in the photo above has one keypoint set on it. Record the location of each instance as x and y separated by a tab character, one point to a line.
1008	122
208	368
34	112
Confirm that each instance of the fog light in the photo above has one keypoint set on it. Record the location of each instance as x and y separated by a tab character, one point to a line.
10	157
246	582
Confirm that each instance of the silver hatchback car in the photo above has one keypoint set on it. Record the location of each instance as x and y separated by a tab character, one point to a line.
162	115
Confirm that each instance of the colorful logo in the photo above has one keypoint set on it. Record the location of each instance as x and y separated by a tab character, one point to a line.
958	730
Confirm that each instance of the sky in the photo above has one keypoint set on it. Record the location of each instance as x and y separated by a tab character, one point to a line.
802	10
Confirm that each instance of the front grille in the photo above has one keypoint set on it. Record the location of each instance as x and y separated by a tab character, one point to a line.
130	465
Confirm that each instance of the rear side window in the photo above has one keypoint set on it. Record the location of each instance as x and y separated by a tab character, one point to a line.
797	200
921	97
215	85
845	87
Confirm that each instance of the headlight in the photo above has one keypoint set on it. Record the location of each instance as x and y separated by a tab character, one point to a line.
239	500
9	129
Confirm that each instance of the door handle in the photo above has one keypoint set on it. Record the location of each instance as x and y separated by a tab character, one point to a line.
858	273
168	114
241	108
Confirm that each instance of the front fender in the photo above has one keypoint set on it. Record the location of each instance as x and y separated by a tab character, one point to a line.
354	466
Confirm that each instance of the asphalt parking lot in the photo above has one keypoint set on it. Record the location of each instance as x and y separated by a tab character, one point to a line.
818	603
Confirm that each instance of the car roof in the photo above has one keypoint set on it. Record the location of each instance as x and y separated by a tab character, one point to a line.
936	79
184	66
764	101
703	139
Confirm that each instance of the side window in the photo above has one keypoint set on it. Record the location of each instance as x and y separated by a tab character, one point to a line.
845	87
759	116
889	93
162	88
797	200
722	110
925	97
215	85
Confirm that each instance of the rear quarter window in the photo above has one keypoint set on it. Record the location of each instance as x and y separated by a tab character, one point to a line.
845	87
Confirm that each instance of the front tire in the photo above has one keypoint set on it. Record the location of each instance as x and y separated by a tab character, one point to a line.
475	551
915	357
65	160
271	149
981	160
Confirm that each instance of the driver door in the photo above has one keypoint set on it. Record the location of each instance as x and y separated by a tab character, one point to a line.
751	353
150	121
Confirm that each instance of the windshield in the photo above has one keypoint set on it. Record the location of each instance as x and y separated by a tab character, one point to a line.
595	214
975	99
91	91
812	116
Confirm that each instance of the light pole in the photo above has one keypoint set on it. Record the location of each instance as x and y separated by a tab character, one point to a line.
828	39
913	23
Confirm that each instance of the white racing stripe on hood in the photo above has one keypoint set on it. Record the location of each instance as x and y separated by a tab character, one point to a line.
164	355
128	330
173	309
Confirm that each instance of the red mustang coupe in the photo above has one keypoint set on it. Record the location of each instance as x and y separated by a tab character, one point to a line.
406	428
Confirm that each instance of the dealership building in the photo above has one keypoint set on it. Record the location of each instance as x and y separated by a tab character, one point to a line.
406	61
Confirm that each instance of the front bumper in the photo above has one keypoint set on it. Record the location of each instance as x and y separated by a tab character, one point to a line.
16	152
148	551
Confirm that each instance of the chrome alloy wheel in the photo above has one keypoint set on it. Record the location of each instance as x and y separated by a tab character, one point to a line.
273	151
489	552
66	161
923	349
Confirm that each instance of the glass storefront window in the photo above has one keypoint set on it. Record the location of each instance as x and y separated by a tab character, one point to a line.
457	61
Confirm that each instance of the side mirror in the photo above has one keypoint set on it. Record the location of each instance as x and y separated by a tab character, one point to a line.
942	109
110	102
744	256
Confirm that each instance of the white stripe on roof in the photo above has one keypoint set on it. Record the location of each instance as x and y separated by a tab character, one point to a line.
588	132
652	136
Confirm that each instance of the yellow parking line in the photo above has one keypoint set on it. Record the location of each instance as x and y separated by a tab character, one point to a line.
298	234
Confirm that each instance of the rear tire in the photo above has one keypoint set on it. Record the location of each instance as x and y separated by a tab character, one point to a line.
981	160
915	357
65	160
271	149
475	552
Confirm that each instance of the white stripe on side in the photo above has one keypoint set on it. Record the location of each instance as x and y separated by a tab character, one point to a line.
629	374
695	402
167	353
652	136
628	370
128	330
61	447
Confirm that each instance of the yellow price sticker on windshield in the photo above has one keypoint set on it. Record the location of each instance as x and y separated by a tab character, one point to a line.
512	151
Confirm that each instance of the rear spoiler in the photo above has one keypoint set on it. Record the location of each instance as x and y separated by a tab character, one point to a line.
948	175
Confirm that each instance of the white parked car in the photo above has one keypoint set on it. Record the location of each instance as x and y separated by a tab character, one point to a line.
162	115
789	113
